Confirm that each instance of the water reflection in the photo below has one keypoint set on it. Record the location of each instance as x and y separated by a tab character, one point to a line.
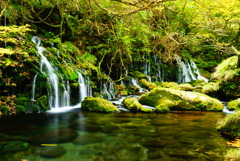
115	136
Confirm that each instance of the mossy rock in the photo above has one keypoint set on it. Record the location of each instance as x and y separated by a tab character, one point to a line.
210	87
184	87
180	100
43	103
146	84
198	82
97	104
234	104
230	124
133	105
169	84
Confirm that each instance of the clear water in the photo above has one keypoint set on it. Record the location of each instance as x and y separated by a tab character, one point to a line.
176	136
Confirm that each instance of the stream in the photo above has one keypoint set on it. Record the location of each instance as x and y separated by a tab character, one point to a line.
124	136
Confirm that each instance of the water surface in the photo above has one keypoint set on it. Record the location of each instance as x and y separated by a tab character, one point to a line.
175	136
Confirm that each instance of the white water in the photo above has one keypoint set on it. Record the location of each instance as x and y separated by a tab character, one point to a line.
147	69
59	98
33	87
188	71
82	88
135	83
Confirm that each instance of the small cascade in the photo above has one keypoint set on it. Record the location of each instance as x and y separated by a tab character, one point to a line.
59	89
111	89
89	87
225	108
82	88
147	69
104	91
159	72
187	71
135	83
33	87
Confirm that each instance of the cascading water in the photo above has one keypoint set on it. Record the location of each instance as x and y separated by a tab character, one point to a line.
59	96
82	88
147	69
135	83
188	71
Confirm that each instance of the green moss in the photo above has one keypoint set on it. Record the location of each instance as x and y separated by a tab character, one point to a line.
146	84
97	104
232	155
21	101
180	100
20	109
230	124
133	105
169	84
43	103
210	87
121	90
138	75
184	87
198	82
234	104
162	109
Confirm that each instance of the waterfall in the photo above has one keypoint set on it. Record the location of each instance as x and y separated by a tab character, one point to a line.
112	90
82	88
147	69
135	83
59	89
33	87
188	71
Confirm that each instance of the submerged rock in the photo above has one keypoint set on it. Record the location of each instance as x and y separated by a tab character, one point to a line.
53	151
234	104
56	136
133	105
97	104
180	100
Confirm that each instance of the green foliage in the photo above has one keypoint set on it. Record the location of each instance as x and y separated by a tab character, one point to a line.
20	109
4	109
227	70
232	154
43	103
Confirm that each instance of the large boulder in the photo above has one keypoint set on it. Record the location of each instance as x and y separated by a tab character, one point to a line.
234	104
180	100
97	104
133	105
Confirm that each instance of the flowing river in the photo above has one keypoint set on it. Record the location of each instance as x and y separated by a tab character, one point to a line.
124	136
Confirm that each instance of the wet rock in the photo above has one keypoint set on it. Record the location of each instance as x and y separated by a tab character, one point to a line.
52	152
56	136
87	139
13	146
